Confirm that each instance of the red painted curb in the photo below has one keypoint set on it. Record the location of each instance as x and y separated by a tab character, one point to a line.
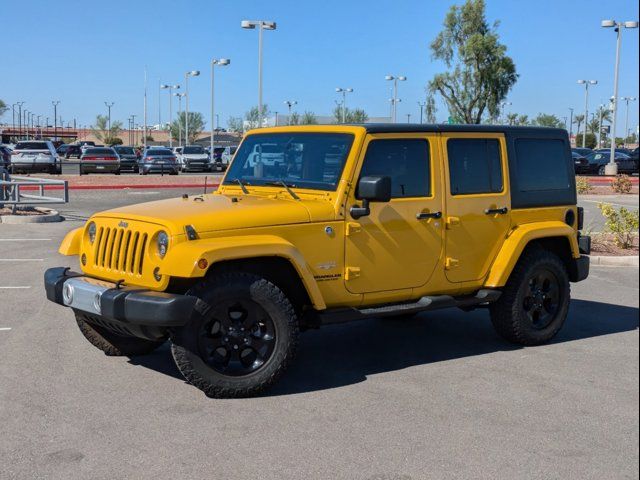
128	186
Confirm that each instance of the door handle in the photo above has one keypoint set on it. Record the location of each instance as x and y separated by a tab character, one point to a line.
496	211
425	215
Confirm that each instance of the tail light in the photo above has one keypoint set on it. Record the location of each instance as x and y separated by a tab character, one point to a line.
580	218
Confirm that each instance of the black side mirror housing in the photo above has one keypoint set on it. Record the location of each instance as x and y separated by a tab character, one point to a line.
371	189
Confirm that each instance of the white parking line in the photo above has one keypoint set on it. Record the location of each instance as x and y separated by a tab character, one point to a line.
5	329
25	239
614	204
14	287
21	260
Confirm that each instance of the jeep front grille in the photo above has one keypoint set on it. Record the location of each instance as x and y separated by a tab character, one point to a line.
120	249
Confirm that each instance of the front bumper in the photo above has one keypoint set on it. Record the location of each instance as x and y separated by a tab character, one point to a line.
124	306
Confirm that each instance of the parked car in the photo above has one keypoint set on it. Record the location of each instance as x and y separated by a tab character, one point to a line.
73	151
221	157
5	157
35	156
598	161
161	160
194	158
580	162
128	158
582	151
231	278
99	160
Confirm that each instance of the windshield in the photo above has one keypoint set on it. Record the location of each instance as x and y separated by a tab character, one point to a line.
193	150
159	153
99	151
305	160
32	146
125	150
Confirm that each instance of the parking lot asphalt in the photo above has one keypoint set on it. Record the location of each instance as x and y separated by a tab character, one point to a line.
593	219
439	396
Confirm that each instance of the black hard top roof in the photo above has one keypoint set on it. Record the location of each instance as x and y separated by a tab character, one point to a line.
418	127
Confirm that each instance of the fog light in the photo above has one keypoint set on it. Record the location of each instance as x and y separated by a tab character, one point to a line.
83	259
97	302
156	274
67	294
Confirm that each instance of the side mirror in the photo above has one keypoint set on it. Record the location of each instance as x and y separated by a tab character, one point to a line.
371	189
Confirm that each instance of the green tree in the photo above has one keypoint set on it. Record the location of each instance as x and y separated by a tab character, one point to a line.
252	117
356	115
101	129
235	124
578	120
480	74
196	126
3	108
546	120
430	109
294	118
590	140
523	120
308	118
512	119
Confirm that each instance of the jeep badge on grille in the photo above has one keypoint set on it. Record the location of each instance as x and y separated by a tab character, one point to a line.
123	224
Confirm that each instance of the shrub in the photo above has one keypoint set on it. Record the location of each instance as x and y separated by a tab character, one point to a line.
622	223
621	184
112	141
590	142
583	185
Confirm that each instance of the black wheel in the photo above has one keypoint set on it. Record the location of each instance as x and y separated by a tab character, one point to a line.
243	341
117	172
535	302
602	170
111	343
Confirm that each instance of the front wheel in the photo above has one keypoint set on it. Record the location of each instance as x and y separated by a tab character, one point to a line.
243	341
535	302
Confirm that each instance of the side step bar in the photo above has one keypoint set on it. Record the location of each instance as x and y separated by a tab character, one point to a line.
435	302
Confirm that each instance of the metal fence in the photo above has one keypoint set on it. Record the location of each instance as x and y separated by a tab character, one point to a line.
13	190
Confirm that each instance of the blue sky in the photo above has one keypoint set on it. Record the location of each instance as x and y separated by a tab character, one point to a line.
84	53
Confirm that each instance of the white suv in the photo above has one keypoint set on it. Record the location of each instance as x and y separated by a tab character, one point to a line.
35	156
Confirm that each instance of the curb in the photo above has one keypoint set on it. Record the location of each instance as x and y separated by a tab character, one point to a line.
610	261
49	217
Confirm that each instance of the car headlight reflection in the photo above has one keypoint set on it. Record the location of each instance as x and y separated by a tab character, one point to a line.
92	232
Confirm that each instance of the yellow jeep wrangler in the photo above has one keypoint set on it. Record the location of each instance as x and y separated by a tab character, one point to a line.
313	225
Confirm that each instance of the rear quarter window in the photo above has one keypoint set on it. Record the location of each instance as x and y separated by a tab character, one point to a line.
542	165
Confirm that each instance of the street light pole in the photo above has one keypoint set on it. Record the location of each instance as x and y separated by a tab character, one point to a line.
586	84
502	107
20	119
179	95
170	88
222	62
344	92
394	101
601	111
261	25
109	105
611	168
192	73
422	106
289	104
626	122
55	118
570	124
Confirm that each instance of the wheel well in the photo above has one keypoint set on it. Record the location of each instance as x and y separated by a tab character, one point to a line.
277	270
560	246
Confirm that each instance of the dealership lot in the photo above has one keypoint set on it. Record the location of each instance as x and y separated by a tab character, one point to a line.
377	399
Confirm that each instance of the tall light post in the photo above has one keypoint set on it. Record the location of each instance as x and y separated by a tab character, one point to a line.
26	123
344	92
503	105
109	105
626	100
179	95
421	105
570	124
290	104
222	62
170	88
600	113
586	84
55	104
611	168
394	101
19	104
192	73
260	25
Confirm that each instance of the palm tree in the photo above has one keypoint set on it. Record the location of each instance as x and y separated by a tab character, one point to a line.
578	119
512	118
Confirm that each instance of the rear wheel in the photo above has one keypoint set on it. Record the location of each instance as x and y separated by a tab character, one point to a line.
535	302
243	341
112	343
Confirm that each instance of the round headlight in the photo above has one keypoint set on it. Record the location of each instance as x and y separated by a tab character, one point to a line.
92	232
162	241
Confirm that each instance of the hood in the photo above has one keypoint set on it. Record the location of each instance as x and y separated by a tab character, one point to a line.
220	212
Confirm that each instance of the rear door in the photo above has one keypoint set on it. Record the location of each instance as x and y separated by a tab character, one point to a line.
478	203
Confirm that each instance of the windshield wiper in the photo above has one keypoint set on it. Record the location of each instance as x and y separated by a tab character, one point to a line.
242	187
286	186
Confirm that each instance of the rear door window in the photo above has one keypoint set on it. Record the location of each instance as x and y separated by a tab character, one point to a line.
542	164
475	166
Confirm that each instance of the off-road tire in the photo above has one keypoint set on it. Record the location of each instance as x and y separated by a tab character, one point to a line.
225	287
114	344
508	313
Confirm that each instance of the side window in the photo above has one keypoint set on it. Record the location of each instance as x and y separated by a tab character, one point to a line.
406	161
542	164
474	166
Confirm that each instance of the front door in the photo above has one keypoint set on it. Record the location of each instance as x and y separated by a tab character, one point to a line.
400	243
478	203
